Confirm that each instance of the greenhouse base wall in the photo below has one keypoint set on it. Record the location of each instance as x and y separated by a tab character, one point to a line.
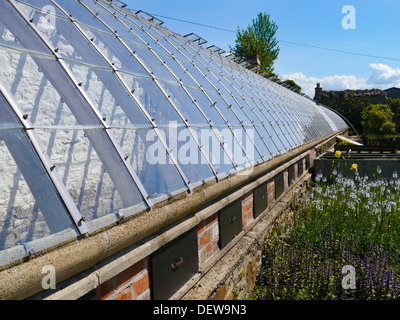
97	268
234	276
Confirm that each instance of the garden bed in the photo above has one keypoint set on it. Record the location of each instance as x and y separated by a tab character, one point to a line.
342	242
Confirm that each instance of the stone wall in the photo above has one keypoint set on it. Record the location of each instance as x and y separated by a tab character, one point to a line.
328	97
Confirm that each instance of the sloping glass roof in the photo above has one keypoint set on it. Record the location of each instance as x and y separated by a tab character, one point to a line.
104	113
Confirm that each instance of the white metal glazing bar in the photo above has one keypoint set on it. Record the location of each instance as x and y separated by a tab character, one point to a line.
47	163
199	86
227	104
129	92
156	81
115	173
177	79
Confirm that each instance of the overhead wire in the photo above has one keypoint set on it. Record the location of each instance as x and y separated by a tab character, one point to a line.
280	40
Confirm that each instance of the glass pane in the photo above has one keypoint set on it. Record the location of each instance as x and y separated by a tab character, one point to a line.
178	69
286	116
149	95
86	176
108	94
51	100
198	76
27	78
184	104
208	138
150	161
130	127
14	32
152	63
270	114
207	107
30	207
164	114
75	10
251	132
186	150
8	119
139	47
235	108
116	53
155	40
64	36
224	108
43	5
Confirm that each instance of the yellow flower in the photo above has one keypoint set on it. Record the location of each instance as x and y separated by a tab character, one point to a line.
353	167
337	154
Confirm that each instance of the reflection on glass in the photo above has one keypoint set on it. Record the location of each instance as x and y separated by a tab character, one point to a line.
30	208
150	161
27	78
86	176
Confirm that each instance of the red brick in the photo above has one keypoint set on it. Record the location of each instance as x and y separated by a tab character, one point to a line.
212	219
202	255
105	289
146	296
247	196
124	295
141	285
200	227
211	247
271	186
127	275
271	197
249	215
205	238
246	207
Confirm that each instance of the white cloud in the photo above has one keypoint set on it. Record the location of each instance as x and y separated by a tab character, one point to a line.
382	77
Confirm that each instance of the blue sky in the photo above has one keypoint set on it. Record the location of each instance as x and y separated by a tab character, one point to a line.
309	22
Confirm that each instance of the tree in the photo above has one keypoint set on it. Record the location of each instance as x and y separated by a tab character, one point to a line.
377	121
258	39
394	105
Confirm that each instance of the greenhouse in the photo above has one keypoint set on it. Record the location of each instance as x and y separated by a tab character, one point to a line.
105	114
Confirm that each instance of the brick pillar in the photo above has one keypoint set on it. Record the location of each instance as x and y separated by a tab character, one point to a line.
247	209
271	190
208	237
131	284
